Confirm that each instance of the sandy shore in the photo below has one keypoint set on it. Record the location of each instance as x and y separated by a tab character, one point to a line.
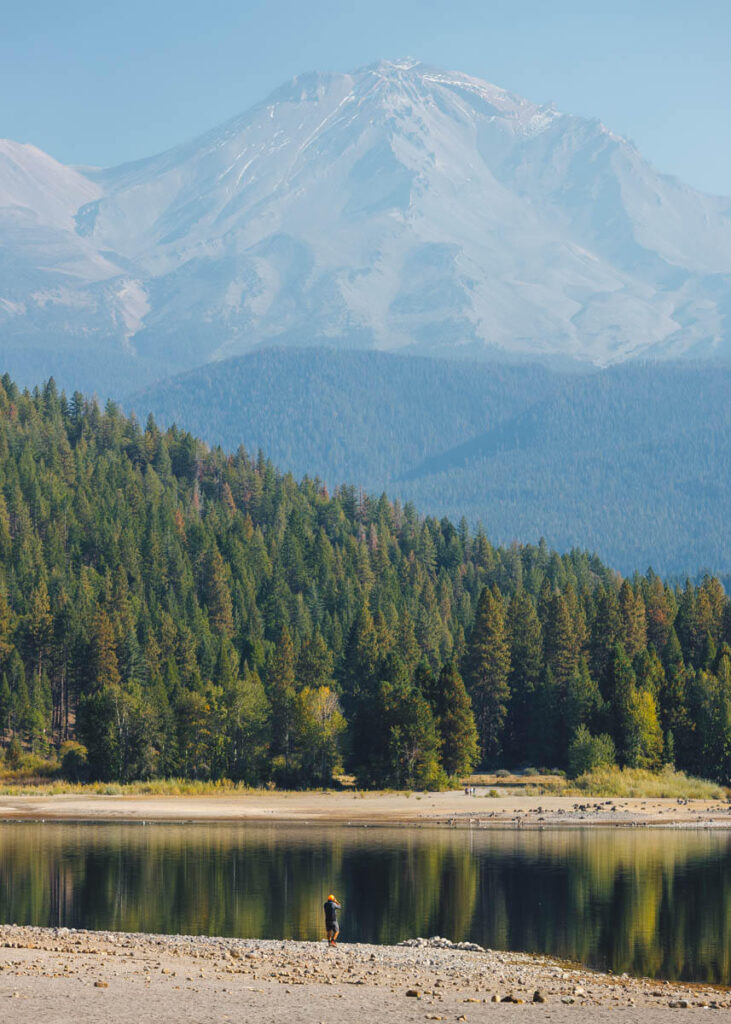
51	976
451	808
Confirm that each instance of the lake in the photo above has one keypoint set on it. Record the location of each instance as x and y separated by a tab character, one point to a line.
649	902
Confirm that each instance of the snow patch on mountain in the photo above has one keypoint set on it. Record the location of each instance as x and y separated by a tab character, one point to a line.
36	184
400	207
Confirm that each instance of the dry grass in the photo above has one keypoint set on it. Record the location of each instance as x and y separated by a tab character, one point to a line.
515	780
154	787
632	782
37	780
636	782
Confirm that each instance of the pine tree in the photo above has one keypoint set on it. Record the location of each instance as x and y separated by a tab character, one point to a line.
6	627
486	672
660	613
633	623
605	633
426	682
686	625
406	746
638	733
21	712
673	701
283	699
583	700
38	626
359	684
561	650
6	704
526	657
456	723
104	665
163	718
217	594
96	729
197	734
622	689
719	752
314	663
650	673
407	646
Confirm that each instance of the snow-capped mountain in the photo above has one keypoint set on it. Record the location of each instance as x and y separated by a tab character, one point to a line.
399	207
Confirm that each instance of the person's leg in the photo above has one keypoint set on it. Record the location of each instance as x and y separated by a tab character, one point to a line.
335	936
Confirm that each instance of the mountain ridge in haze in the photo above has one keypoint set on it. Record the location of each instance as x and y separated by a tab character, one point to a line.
399	208
629	462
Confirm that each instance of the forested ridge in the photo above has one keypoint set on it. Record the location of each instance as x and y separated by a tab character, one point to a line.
166	609
629	462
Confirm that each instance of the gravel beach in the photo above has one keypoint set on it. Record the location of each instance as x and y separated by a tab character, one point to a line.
490	806
51	976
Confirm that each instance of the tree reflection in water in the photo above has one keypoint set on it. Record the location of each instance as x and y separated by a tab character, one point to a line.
648	902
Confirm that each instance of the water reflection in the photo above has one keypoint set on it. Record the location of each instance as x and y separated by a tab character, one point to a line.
653	903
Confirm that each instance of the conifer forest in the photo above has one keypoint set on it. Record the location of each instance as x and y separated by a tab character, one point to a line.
167	609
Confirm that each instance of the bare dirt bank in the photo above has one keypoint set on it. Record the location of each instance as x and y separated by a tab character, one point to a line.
451	808
59	975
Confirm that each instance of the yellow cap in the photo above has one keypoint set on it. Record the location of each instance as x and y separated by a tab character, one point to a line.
331	897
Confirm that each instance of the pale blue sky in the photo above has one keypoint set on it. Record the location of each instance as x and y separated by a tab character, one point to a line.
102	82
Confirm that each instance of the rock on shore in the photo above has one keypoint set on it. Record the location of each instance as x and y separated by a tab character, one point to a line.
58	975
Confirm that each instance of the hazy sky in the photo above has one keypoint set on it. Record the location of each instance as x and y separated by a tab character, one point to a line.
102	82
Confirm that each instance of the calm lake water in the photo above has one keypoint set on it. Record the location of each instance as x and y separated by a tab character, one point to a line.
655	903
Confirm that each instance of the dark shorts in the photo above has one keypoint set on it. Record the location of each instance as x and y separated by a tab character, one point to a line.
332	926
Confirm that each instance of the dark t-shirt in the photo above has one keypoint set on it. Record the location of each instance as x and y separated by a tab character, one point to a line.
331	913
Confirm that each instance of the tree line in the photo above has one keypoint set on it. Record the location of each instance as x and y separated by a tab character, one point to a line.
171	610
525	450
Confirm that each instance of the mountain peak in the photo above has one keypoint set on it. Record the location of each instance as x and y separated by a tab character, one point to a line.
398	207
399	64
409	72
33	182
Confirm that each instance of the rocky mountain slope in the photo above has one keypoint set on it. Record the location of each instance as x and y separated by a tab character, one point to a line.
399	207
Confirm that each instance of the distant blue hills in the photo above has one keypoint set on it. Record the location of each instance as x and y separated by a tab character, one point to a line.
631	462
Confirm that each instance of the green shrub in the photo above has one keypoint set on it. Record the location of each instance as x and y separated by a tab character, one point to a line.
74	760
588	752
14	754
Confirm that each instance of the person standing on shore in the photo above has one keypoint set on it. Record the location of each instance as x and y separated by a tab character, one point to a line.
331	919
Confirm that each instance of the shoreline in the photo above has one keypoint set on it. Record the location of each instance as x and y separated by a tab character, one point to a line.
448	809
61	974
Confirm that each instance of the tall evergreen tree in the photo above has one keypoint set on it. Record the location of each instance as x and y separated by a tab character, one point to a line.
6	704
633	621
456	723
526	662
583	703
561	649
486	673
283	699
406	746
